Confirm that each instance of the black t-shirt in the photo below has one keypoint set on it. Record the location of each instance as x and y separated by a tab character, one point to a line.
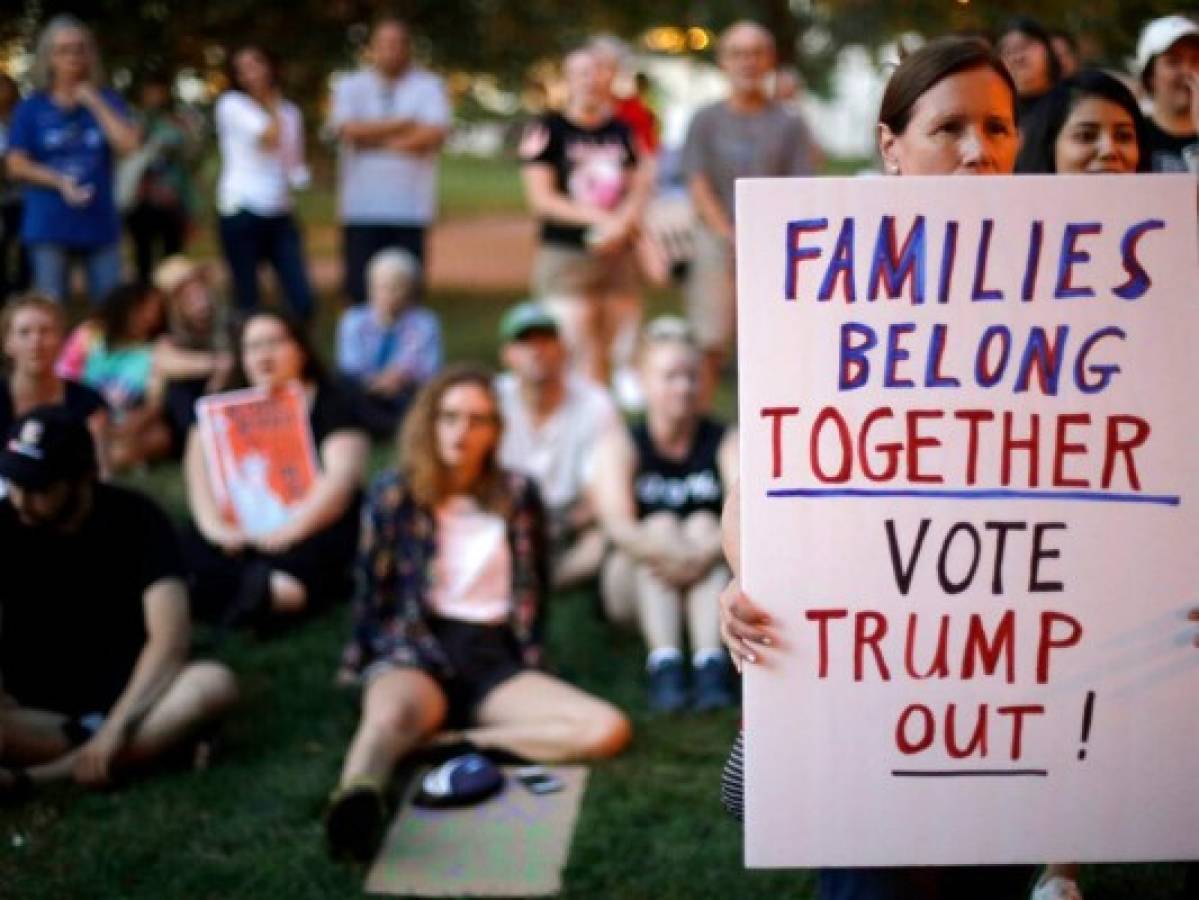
80	399
72	621
591	166
679	486
1164	149
334	408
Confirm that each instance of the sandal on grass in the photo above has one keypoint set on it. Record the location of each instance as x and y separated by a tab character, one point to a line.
354	820
15	786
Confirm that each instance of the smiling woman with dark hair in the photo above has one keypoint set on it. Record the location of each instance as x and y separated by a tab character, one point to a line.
1089	123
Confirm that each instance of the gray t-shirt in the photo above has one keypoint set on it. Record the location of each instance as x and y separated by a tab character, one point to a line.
387	187
724	145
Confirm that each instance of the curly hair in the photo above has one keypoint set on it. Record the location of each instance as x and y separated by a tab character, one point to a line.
420	462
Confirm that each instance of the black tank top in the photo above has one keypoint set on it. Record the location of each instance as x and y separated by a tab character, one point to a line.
683	487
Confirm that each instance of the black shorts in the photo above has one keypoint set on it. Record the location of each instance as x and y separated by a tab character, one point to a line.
482	656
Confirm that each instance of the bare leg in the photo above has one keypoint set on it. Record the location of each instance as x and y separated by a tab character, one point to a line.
288	594
31	736
200	693
400	708
539	717
581	560
703	598
618	587
659	606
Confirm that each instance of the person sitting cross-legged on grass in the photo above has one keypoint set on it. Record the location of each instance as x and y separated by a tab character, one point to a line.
389	346
447	628
658	490
553	419
305	562
94	627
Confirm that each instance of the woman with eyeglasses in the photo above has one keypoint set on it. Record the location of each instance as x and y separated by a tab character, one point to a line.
447	633
62	144
304	563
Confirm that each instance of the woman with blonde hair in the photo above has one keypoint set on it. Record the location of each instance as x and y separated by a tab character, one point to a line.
448	625
658	488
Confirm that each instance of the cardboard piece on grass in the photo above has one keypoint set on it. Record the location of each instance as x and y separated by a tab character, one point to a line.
515	844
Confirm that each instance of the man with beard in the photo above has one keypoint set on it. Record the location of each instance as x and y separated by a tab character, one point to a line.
94	627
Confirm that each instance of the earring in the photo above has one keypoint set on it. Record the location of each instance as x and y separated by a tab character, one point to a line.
893	168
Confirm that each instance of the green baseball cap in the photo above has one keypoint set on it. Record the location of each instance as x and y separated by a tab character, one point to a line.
524	317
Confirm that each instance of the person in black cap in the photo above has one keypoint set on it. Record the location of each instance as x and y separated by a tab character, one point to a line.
94	627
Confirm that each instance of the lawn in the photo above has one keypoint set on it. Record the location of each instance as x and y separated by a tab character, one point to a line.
249	826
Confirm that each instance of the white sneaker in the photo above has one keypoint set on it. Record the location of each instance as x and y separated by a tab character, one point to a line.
1057	888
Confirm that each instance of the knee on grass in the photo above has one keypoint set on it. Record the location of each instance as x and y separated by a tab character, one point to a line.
601	732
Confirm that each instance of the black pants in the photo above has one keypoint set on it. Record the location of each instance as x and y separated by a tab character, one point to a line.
321	563
157	232
15	272
247	240
361	242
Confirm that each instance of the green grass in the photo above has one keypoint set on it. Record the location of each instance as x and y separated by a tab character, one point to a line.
249	827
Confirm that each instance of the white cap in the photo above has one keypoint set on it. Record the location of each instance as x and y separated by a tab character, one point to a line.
1160	35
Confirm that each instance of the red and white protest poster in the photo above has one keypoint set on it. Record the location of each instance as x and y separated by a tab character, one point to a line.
968	481
259	452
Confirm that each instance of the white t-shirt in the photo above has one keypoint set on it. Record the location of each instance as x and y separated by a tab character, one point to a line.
472	568
387	187
558	454
253	178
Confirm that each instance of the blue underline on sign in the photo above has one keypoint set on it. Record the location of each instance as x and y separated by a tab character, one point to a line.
969	773
980	494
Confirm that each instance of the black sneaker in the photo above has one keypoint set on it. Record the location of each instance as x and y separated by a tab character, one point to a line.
667	686
712	690
354	823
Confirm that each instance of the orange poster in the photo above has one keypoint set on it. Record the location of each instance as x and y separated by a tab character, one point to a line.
259	453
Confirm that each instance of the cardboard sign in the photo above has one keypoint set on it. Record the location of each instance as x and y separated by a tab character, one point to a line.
259	453
968	476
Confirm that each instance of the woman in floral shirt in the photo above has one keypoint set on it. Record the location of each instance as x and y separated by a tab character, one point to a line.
447	629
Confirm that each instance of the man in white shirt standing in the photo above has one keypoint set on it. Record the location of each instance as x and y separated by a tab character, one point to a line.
390	118
553	419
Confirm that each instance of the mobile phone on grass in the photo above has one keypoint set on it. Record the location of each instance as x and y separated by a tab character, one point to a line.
539	780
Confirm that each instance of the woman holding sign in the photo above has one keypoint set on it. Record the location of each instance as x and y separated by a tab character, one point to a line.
243	577
448	625
948	109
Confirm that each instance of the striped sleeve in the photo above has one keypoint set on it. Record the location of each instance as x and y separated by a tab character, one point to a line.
732	780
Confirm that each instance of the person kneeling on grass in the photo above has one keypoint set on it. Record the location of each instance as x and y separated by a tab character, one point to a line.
658	490
447	627
94	627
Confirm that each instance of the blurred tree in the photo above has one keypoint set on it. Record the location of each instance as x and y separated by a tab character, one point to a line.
501	37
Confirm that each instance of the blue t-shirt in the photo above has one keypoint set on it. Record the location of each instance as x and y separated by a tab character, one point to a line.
70	141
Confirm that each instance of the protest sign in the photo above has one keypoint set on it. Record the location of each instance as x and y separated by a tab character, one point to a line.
259	454
967	471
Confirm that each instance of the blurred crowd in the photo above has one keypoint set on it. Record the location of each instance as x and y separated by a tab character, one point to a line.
594	460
